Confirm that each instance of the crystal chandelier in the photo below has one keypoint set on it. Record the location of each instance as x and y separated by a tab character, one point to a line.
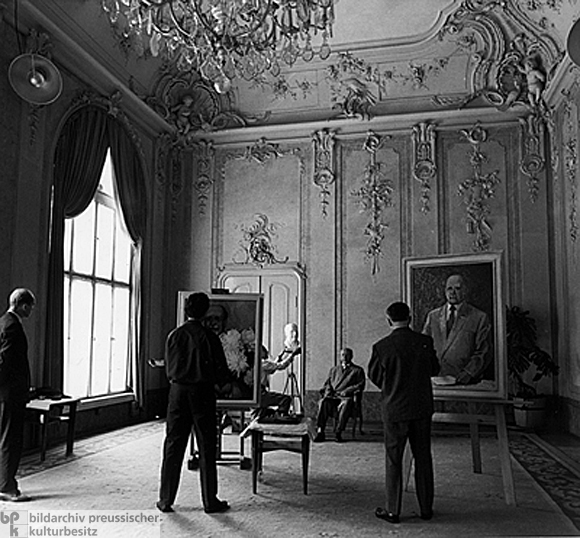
225	39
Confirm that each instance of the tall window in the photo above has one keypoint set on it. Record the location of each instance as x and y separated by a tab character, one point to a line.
97	296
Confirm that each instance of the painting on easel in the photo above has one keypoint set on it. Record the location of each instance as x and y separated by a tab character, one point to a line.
458	301
237	319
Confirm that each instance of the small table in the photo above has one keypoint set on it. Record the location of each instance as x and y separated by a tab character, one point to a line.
47	411
267	437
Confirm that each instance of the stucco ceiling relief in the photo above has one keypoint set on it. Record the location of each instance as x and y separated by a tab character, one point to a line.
478	189
190	105
374	195
324	165
424	167
513	59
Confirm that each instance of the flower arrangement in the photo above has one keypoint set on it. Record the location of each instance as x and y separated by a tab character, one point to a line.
239	348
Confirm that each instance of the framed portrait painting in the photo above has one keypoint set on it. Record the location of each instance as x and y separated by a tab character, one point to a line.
458	301
237	319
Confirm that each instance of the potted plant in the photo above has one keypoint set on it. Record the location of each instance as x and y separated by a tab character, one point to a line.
524	353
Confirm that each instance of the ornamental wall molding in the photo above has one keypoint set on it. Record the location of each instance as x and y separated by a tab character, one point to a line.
374	196
478	189
257	244
570	142
204	172
39	43
324	166
533	162
424	157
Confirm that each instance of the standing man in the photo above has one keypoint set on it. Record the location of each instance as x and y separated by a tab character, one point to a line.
338	392
14	390
402	365
461	335
194	361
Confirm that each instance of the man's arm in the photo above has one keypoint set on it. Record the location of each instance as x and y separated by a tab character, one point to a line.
376	371
480	354
327	389
355	383
434	361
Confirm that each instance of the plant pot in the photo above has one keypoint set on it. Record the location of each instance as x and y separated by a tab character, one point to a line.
531	412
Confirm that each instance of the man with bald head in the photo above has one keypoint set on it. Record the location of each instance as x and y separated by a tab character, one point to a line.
14	390
461	334
343	382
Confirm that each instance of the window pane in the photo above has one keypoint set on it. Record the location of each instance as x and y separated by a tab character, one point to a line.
106	181
84	241
101	340
105	231
121	342
97	329
79	340
123	249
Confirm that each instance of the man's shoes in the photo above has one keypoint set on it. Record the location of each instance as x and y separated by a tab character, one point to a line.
14	496
427	515
339	438
165	508
217	507
381	513
320	437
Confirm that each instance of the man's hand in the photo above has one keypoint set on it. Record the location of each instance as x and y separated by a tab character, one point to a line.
464	378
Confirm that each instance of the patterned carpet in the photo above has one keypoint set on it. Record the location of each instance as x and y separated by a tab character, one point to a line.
55	455
559	480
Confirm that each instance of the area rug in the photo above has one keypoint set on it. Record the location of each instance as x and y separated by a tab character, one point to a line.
559	481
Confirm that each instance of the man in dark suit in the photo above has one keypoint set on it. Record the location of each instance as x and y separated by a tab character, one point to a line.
402	365
461	335
344	381
14	390
194	362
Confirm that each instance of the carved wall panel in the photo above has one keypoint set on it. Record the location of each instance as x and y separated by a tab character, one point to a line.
259	212
362	290
475	191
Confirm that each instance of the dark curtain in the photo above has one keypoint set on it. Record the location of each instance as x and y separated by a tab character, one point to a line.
130	191
78	161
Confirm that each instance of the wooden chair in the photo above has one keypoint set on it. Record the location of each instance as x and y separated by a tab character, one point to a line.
356	414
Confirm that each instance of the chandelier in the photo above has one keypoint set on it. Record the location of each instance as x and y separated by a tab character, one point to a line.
226	39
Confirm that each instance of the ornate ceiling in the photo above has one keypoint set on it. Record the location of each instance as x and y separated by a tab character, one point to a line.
389	57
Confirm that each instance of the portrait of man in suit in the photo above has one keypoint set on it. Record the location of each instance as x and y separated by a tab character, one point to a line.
461	334
457	300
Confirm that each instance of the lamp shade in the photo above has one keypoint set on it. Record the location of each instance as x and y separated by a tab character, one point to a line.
35	79
573	43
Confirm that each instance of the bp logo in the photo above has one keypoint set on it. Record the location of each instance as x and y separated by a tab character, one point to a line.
13	523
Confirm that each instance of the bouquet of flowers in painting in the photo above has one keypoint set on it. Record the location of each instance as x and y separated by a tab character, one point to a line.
239	348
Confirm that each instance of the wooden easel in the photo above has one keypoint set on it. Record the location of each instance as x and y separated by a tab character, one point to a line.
474	420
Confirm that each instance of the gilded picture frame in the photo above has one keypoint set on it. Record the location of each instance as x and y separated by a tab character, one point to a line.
424	291
237	319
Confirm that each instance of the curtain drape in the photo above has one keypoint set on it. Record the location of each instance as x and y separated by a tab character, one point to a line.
130	191
79	158
78	161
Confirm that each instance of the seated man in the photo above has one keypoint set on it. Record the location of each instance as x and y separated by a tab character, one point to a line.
343	382
268	398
